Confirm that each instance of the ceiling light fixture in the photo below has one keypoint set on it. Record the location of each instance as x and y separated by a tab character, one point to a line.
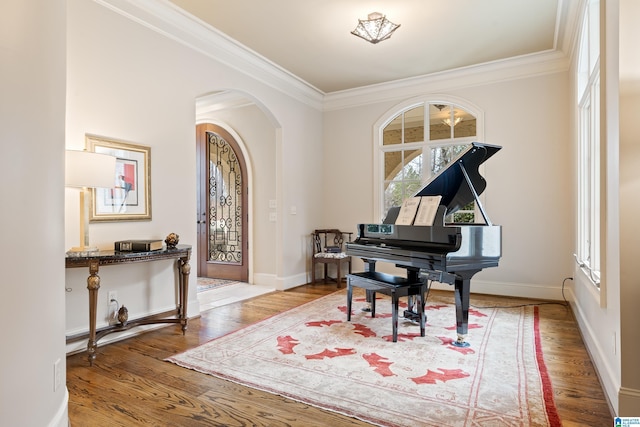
375	29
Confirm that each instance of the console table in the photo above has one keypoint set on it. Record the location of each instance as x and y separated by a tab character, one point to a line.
94	260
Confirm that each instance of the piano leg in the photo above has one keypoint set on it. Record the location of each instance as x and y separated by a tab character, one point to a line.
394	316
421	304
349	297
462	296
369	266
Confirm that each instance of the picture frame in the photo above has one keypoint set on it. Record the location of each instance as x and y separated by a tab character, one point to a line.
130	197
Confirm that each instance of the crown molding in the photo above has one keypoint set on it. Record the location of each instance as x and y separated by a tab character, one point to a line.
167	19
552	61
568	25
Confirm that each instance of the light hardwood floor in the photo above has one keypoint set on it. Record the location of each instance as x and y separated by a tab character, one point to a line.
131	385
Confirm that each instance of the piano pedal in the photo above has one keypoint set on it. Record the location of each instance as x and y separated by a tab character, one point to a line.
413	317
366	308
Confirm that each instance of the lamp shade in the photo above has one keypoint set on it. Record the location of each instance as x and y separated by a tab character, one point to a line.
89	169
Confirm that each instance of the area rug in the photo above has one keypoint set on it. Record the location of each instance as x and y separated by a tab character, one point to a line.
206	284
313	355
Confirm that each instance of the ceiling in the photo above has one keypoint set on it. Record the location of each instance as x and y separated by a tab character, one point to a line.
312	39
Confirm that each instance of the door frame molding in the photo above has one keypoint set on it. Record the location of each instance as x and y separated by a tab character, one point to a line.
249	173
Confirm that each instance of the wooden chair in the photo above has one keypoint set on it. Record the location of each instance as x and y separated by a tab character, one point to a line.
328	248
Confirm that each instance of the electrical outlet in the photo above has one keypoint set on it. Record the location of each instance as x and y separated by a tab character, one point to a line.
112	306
57	375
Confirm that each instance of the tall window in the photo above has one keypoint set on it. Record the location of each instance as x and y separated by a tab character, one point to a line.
418	141
588	91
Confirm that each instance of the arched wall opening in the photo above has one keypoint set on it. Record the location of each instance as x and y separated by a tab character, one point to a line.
257	132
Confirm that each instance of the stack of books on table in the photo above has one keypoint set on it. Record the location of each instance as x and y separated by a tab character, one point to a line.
138	245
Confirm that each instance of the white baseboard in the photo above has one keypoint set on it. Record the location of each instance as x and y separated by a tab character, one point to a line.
264	279
510	289
598	355
61	418
282	284
230	294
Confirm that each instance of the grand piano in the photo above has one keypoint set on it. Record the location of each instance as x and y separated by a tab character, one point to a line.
444	252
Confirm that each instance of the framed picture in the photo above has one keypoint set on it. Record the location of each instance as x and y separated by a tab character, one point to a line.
130	197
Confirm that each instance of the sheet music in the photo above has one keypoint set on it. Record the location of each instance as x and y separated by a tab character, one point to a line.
427	210
408	211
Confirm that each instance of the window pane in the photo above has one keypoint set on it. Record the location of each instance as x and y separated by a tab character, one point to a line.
464	215
465	124
392	164
392	133
413	165
438	129
442	156
394	194
411	188
397	191
414	125
404	177
403	165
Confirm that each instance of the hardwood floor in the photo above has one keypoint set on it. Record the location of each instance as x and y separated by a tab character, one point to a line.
130	384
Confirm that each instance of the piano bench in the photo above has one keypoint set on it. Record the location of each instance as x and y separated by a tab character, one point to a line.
394	286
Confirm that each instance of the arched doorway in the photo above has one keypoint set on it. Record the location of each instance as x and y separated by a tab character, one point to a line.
222	205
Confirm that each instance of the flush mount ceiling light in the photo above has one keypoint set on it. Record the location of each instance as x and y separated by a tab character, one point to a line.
375	29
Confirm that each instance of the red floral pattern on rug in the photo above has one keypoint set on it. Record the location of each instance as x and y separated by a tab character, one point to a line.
313	355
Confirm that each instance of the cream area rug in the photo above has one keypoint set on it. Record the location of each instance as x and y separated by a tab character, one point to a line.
313	355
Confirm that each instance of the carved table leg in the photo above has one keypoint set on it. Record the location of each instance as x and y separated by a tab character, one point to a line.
185	269
93	284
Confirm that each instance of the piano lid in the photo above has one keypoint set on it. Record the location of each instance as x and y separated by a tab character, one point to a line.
450	182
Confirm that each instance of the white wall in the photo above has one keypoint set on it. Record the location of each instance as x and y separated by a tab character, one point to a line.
629	282
32	84
128	82
528	191
629	206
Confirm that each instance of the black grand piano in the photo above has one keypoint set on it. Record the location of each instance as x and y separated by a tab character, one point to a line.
446	253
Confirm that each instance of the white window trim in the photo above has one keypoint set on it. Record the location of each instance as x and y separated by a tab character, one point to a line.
589	246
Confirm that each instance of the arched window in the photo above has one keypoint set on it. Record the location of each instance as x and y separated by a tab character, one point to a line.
414	141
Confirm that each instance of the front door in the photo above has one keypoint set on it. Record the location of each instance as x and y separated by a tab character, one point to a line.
222	206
